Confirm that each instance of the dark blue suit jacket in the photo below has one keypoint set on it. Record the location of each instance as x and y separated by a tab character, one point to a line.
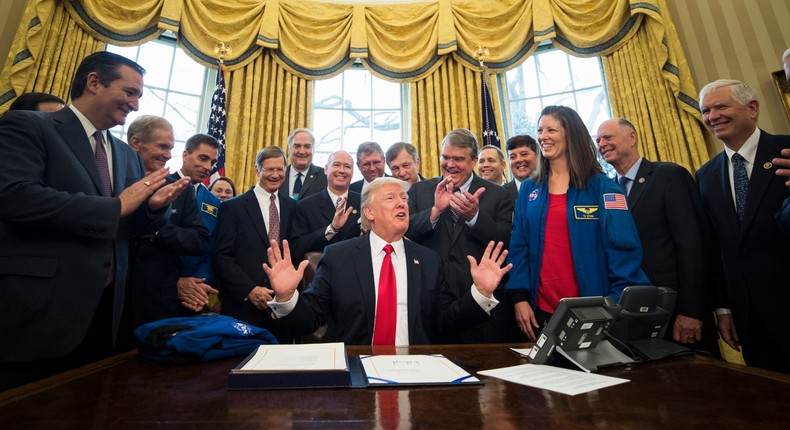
156	261
313	216
60	233
342	295
313	182
240	248
755	254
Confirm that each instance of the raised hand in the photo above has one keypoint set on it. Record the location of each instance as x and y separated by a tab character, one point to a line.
283	278
489	272
467	204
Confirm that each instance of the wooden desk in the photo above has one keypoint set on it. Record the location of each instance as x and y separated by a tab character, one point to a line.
129	392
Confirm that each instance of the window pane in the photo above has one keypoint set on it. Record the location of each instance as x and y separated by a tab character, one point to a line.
593	108
156	59
553	76
357	89
586	72
386	95
184	115
188	76
328	93
356	107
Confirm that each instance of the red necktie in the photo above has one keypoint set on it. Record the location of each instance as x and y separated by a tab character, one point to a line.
274	220
384	328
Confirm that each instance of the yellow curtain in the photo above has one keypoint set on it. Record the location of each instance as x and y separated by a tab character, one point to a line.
446	99
667	131
265	102
430	44
46	50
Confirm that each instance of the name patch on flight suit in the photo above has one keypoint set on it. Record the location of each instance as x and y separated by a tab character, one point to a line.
586	212
209	209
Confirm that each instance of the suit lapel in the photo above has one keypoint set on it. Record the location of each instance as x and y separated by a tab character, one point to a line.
762	173
724	188
69	126
309	178
366	281
643	176
118	168
254	212
413	286
326	209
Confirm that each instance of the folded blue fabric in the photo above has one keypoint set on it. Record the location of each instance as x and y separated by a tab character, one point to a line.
202	337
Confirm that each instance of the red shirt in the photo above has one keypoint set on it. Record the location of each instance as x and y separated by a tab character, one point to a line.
557	275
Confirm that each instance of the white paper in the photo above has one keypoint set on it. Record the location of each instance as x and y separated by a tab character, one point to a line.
302	357
413	369
566	381
523	352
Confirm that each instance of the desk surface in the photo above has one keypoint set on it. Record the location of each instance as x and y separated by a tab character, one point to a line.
129	392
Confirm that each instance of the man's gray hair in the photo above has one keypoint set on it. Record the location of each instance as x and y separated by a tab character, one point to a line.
741	92
370	193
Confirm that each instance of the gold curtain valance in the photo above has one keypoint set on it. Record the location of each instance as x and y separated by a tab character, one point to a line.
401	42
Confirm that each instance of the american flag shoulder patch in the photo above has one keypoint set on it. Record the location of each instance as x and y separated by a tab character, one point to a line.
614	201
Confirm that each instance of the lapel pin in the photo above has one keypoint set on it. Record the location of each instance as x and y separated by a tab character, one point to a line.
416	261
354	211
767	165
641	180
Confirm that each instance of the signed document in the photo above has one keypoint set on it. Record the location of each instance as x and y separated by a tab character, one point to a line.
414	370
303	357
552	378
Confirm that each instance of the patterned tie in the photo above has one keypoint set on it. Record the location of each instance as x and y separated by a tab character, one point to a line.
297	184
624	184
274	220
337	203
456	216
386	306
741	183
102	163
104	171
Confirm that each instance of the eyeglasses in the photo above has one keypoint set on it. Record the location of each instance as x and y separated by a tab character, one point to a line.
370	164
269	170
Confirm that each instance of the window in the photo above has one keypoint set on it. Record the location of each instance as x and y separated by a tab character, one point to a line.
356	107
175	87
552	77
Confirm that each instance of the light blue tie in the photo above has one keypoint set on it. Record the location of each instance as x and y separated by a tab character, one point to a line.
741	180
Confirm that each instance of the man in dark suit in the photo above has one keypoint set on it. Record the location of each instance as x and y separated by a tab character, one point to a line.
522	150
302	177
64	241
457	215
404	162
156	257
400	306
327	217
246	225
197	275
665	204
370	161
743	196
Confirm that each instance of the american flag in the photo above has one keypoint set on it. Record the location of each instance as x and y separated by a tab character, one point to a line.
490	135
217	121
614	201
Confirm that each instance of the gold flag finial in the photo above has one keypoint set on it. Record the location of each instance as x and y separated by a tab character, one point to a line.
221	50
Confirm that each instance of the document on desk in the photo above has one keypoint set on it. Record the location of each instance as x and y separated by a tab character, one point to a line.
302	357
566	381
414	370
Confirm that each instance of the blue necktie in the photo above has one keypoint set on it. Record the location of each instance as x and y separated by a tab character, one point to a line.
623	181
741	180
297	184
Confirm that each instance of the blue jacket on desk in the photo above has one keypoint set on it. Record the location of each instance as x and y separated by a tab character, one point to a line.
607	253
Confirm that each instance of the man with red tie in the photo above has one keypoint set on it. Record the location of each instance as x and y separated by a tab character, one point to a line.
376	289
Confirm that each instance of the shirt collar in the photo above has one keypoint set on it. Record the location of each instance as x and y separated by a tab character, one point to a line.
377	245
631	173
748	150
261	193
86	123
